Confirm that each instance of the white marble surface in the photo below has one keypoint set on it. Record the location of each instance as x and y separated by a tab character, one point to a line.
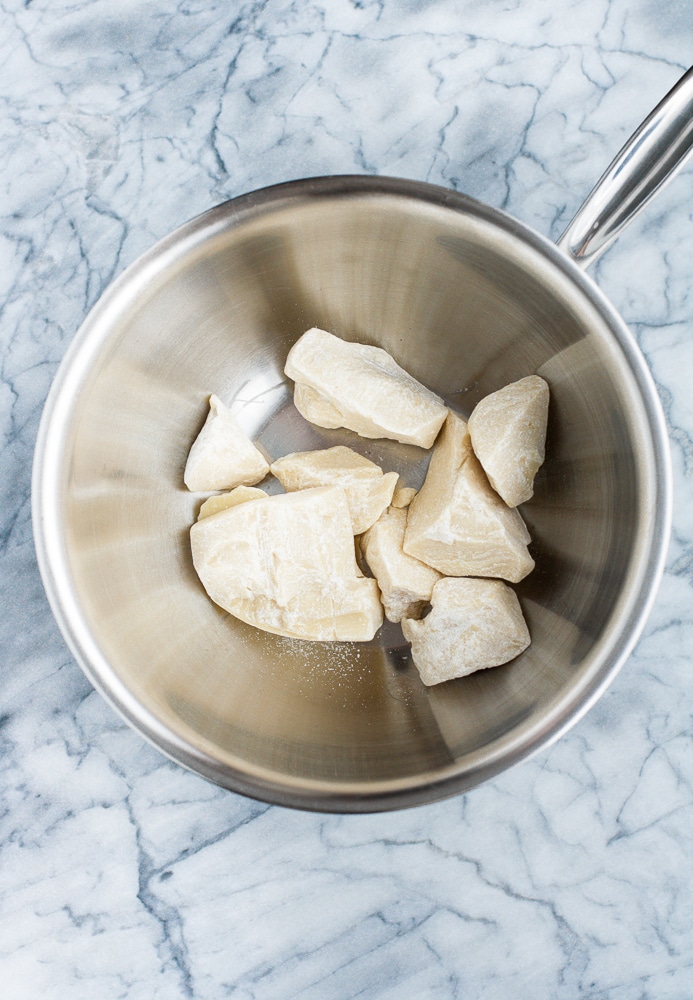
121	875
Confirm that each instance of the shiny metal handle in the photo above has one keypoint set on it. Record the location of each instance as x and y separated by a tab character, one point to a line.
651	157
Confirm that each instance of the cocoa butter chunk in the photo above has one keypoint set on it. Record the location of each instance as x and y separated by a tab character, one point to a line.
457	523
473	625
223	500
287	565
508	432
342	384
316	408
223	456
368	491
405	583
403	496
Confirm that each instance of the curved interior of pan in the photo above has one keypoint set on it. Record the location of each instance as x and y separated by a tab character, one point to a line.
464	303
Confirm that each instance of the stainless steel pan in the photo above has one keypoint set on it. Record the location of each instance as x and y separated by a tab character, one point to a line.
467	299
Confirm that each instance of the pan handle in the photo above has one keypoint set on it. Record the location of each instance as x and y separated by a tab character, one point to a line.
651	157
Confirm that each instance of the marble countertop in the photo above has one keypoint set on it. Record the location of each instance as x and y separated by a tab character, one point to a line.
122	875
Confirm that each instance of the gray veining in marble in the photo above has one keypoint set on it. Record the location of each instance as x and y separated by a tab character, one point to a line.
121	875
